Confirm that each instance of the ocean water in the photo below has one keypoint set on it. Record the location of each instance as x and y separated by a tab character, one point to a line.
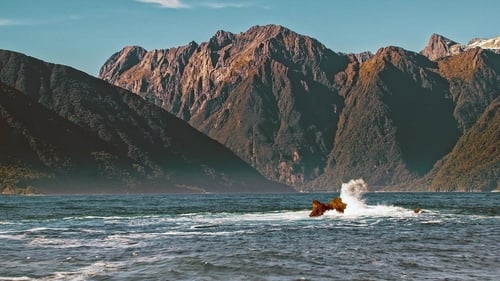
251	237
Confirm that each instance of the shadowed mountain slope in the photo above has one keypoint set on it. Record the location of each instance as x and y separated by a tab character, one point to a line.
42	149
166	154
474	163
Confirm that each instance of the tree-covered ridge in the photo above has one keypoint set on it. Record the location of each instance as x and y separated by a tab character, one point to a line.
84	135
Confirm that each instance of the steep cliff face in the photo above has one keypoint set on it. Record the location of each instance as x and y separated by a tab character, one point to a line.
312	118
165	152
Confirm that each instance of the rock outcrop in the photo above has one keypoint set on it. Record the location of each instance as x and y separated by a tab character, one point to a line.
318	208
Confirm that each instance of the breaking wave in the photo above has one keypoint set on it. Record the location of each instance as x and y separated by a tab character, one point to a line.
352	194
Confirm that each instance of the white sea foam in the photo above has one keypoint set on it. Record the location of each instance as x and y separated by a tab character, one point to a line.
207	220
59	243
87	272
12	235
41	229
433	222
275	216
8	223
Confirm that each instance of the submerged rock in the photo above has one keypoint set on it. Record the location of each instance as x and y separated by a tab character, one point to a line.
319	208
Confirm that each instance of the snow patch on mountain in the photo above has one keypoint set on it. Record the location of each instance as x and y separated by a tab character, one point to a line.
491	43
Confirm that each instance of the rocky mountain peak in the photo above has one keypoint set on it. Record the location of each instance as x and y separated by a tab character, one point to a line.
439	47
390	51
437	38
279	39
122	61
220	40
270	30
363	56
402	59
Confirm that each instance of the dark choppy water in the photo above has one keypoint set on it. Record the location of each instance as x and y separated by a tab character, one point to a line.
250	237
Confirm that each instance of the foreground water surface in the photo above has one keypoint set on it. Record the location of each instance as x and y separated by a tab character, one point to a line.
250	237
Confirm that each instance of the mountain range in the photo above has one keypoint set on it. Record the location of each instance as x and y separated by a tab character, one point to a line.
311	118
257	111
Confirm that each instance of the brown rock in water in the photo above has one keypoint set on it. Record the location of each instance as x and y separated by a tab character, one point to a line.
318	208
337	205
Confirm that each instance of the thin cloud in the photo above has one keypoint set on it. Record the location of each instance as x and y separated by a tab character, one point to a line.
173	4
6	22
225	5
33	22
176	4
76	17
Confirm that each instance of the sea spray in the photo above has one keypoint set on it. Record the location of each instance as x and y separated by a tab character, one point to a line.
352	192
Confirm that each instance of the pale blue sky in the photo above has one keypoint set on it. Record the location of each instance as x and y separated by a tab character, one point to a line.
84	33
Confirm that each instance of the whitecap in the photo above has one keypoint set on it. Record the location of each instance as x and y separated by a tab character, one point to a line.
178	233
58	242
12	235
274	216
352	192
432	222
87	272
